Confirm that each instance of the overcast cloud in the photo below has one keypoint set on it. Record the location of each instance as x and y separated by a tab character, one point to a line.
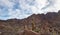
23	8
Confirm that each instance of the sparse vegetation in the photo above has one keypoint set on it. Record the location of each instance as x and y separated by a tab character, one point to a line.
31	24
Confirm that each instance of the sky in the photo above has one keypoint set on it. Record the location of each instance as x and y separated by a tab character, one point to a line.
21	9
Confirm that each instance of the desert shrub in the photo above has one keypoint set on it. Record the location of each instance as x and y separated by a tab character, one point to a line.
37	30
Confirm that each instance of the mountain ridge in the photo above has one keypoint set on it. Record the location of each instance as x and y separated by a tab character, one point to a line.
41	21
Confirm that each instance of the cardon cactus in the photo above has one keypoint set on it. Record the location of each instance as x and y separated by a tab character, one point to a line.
33	25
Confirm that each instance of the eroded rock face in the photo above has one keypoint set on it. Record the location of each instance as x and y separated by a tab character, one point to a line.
28	32
50	19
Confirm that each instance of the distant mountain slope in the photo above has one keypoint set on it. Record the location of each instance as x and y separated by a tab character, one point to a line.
45	21
38	18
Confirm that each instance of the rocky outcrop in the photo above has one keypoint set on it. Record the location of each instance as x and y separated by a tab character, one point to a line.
43	21
28	32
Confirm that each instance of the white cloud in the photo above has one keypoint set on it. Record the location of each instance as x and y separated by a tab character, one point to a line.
14	14
17	14
54	7
57	5
28	7
6	3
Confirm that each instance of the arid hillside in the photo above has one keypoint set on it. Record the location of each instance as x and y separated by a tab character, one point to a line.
44	24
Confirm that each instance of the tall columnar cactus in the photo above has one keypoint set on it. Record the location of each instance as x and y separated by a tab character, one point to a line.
33	24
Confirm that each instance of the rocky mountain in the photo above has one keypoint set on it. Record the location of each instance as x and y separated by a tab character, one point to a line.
51	20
